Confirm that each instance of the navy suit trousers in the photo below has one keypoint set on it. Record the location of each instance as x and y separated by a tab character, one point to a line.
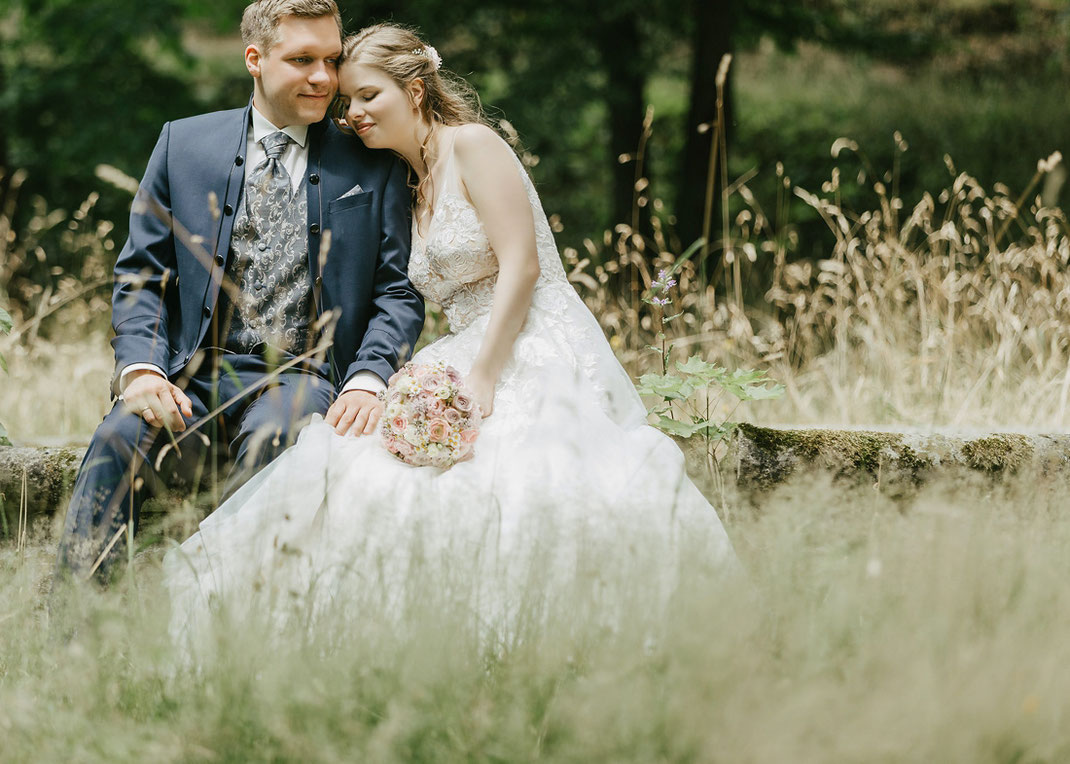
120	468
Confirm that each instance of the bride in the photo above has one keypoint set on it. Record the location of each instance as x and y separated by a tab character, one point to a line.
567	481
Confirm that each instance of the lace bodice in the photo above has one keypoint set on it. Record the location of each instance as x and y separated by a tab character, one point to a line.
454	265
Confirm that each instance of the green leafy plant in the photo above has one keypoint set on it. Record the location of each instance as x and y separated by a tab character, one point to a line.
696	376
5	326
691	391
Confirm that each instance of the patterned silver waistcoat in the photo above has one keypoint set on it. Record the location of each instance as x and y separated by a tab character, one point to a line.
269	265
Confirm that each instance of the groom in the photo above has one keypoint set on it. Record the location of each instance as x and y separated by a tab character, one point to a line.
256	236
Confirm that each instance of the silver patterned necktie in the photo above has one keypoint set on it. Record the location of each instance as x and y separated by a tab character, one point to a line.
269	184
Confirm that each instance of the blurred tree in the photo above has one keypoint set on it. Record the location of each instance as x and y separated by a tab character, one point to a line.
713	30
84	82
90	81
719	27
572	75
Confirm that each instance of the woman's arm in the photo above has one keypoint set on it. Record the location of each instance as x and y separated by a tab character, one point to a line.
490	176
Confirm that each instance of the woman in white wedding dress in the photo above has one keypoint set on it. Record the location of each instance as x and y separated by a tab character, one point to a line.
567	480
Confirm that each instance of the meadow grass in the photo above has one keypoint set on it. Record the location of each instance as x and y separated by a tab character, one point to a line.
864	631
931	628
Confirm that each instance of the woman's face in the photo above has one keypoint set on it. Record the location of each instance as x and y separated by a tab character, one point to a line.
380	112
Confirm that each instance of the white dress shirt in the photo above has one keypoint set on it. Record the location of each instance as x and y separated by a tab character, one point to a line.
295	160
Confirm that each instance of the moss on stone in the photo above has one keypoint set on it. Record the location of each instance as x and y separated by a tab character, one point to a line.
899	462
775	454
997	453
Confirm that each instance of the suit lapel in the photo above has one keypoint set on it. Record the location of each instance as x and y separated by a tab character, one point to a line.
314	182
229	156
232	154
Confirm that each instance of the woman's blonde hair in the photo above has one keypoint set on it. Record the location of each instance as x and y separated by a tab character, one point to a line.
404	56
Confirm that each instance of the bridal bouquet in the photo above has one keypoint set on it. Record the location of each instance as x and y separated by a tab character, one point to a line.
429	418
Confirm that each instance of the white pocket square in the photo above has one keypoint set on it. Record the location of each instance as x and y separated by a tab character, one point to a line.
352	192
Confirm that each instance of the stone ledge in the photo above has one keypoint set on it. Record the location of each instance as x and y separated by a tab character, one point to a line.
764	457
48	474
758	459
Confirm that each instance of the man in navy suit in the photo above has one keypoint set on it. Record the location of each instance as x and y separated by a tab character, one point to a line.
257	237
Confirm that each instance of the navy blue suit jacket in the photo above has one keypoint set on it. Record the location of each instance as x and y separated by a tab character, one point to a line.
168	275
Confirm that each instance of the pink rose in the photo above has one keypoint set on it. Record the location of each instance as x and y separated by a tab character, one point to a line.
468	437
393	378
438	430
453	416
404	448
436	408
399	423
462	402
453	374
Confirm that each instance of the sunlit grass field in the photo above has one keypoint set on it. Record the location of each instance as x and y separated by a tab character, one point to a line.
862	631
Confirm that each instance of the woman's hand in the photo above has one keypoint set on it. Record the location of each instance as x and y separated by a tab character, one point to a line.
481	386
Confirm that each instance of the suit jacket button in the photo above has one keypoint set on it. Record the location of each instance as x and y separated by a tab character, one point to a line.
314	229
313	179
239	161
218	259
319	280
207	311
228	210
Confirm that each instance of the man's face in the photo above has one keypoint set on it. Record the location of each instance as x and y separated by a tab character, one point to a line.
297	78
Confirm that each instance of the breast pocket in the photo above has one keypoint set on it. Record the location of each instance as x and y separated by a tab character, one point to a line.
363	199
354	237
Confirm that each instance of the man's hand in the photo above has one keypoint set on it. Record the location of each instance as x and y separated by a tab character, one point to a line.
355	412
157	401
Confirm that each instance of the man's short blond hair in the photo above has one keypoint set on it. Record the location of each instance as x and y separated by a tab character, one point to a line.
260	21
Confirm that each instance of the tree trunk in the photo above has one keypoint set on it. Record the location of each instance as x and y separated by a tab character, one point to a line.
6	170
714	20
620	46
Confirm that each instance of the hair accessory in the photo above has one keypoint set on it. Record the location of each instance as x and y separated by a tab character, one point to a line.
429	52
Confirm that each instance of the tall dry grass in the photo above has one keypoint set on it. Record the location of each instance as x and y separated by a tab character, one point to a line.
947	313
60	365
950	313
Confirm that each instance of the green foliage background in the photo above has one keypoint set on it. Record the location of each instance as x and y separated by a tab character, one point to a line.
85	82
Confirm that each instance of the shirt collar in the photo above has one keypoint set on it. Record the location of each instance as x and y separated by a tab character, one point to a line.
262	127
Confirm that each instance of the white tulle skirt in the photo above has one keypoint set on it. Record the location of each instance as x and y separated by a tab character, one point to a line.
567	484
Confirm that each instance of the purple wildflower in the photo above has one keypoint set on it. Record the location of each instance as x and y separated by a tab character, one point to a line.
664	281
